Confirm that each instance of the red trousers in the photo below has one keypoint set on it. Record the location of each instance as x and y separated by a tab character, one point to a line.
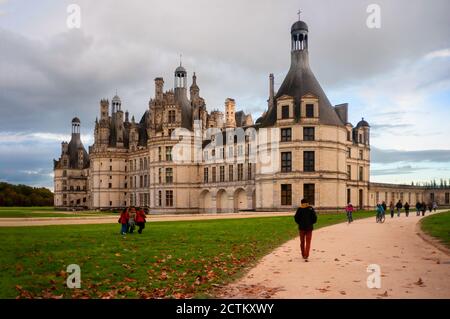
305	242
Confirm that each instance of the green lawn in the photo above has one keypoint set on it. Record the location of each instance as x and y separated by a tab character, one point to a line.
35	212
170	259
438	226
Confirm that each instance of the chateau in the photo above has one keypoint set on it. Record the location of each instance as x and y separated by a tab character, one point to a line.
314	152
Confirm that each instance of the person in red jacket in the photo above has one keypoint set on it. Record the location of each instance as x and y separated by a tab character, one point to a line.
140	220
123	220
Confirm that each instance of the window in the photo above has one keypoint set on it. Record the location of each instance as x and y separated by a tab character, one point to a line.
286	194
110	168
309	161
309	110
285	112
349	196
205	175
109	185
172	116
159	154
214	174
349	152
169	175
286	134
447	198
361	154
349	171
349	136
360	138
432	196
222	173
230	173
160	175
240	172
249	171
230	152
308	134
240	150
361	173
168	153
141	181
160	198
286	161
377	197
141	164
309	193
169	198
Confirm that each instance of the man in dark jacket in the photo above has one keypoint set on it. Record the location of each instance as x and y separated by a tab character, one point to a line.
305	217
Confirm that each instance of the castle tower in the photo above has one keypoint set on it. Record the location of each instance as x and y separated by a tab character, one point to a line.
159	88
194	90
230	110
104	109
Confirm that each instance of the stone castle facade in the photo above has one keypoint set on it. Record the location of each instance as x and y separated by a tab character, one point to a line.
318	154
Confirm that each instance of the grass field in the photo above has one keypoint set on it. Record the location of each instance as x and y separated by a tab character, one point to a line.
35	212
438	226
170	259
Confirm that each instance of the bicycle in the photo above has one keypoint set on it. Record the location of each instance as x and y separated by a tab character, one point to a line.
380	217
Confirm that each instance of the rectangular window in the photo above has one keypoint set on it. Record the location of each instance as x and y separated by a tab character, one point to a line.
286	134
249	171
286	194
159	155
349	136
361	173
171	116
109	185
349	171
309	193
447	198
349	195
349	152
169	198
110	168
286	161
141	181
205	175
230	152
309	161
214	174
230	173
168	153
308	134
160	175
432	196
361	154
169	175
160	198
240	150
309	110
240	172
222	173
285	112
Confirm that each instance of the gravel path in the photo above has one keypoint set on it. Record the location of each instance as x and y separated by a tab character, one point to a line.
337	268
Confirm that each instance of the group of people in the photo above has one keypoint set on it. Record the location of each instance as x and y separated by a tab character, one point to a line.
421	207
131	217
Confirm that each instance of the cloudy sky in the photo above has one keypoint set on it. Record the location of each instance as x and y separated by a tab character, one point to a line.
397	77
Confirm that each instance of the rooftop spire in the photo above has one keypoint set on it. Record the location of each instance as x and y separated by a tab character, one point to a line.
299	12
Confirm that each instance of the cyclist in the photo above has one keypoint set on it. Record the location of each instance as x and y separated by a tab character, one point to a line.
380	212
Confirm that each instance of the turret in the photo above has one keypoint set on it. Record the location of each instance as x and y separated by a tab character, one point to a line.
159	88
104	109
230	110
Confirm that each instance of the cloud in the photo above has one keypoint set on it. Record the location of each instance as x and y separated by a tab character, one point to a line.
400	170
392	156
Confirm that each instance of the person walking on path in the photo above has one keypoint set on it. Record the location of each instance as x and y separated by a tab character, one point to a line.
406	209
305	217
123	220
392	207
423	206
380	213
399	207
132	221
434	205
418	208
349	210
383	204
140	220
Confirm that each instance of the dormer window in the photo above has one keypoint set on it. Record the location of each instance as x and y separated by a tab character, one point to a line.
309	110
285	111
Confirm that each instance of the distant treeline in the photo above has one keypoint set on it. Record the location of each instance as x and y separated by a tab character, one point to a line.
23	195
